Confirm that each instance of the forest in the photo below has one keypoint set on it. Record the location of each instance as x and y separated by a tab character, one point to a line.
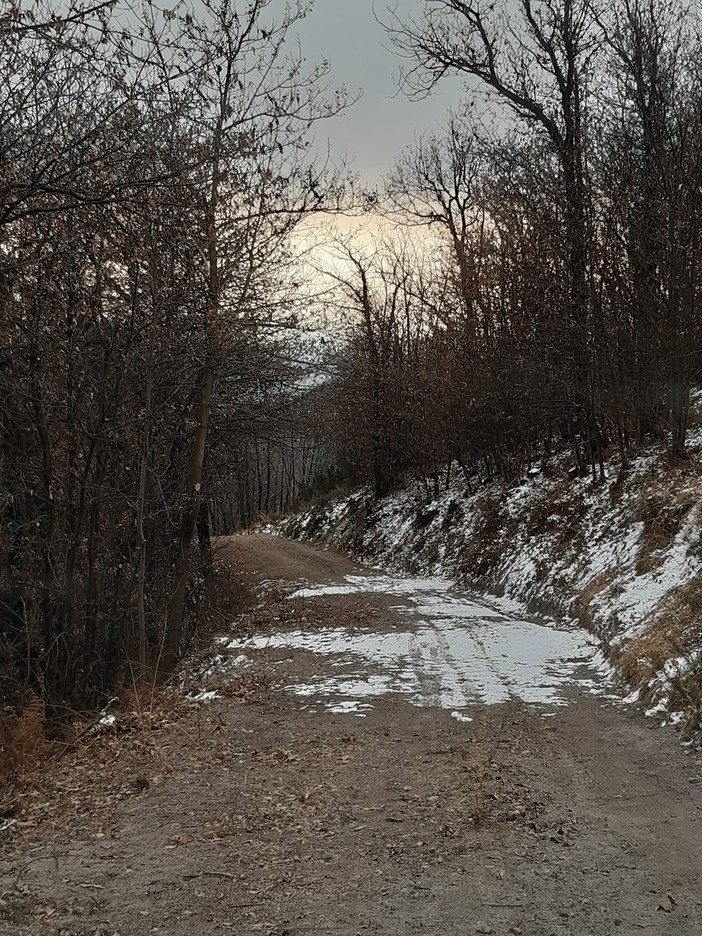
177	361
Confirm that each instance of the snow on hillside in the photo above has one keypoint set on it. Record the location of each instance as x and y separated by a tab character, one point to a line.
622	558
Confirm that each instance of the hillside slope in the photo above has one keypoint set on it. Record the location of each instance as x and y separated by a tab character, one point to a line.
622	558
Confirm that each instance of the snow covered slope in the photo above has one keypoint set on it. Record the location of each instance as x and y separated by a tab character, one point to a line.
622	558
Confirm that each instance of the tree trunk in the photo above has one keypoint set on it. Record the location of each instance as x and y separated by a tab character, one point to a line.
176	604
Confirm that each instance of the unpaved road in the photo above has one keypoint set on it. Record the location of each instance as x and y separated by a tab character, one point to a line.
255	815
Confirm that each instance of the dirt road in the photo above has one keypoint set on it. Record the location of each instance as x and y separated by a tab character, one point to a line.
261	813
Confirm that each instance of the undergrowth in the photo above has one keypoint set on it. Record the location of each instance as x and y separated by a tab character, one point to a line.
21	739
674	635
31	742
482	553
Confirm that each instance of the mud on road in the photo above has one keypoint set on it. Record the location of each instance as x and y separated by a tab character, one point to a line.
254	815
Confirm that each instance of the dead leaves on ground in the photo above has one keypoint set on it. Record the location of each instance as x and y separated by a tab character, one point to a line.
182	840
667	904
81	781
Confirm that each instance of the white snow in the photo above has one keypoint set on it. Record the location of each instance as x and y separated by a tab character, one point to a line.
454	652
204	695
569	550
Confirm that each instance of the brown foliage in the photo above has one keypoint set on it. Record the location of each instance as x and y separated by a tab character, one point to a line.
588	594
484	550
675	633
661	507
22	739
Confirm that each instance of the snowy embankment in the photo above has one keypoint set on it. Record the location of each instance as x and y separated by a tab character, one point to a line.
621	558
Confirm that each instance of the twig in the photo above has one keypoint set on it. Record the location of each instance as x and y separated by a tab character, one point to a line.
237	907
225	874
20	871
71	745
622	798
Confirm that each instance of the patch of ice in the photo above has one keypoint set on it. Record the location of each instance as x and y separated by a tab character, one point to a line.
315	590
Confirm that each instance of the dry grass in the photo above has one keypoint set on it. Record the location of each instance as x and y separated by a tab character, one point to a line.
30	759
485	547
22	751
33	754
22	739
662	506
616	490
228	593
588	594
77	784
561	513
675	633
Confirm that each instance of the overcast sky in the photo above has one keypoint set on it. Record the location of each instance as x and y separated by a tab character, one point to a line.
377	128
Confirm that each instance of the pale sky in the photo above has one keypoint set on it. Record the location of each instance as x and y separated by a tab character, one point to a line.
375	130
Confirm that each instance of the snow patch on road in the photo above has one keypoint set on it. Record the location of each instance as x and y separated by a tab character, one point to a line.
613	557
455	652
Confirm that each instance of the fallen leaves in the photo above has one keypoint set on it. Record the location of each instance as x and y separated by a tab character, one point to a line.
183	840
667	904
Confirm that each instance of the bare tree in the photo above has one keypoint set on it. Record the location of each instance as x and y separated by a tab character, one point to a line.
152	174
256	106
654	143
438	183
535	60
